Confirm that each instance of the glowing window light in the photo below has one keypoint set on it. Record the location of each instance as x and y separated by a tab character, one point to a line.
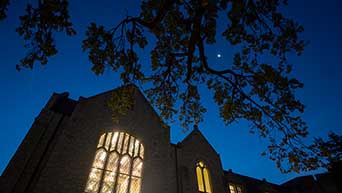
117	166
231	188
203	179
234	188
200	179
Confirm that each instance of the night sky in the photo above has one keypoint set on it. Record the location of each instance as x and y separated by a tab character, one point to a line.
23	94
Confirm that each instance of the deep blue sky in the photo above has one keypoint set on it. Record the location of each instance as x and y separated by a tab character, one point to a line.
24	93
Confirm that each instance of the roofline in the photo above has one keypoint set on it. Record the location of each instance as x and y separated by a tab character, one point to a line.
260	180
191	133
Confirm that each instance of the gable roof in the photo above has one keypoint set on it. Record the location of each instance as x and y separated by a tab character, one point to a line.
113	90
196	133
137	92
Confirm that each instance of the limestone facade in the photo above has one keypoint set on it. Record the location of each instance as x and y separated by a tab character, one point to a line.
57	153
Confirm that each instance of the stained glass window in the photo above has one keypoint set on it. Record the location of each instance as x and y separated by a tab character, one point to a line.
203	179
117	166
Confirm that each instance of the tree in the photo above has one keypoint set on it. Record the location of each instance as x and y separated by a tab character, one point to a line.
248	88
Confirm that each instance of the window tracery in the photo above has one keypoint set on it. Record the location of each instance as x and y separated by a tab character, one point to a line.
117	166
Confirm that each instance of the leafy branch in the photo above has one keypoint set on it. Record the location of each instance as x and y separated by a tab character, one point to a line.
249	88
37	28
3	8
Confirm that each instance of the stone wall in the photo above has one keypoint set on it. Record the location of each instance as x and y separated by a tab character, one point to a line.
33	152
67	161
57	153
191	150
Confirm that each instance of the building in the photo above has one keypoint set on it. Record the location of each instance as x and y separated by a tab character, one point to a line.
76	147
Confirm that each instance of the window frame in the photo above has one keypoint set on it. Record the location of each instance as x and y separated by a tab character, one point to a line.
235	187
117	145
202	167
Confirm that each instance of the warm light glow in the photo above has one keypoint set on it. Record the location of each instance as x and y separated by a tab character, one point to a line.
136	147
137	167
233	188
112	162
135	185
102	156
99	158
141	153
125	165
114	140
93	181
200	179
108	182
102	138
126	143
121	137
122	184
238	188
131	147
117	166
206	180
203	179
108	140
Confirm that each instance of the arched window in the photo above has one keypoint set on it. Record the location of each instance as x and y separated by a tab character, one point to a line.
203	179
117	166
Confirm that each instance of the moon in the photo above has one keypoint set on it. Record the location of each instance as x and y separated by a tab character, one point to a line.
219	55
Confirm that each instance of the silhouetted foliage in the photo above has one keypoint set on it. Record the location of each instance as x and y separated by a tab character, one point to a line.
249	88
3	8
37	28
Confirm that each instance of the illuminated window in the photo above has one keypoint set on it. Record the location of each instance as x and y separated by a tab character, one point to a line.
233	188
117	166
203	179
238	189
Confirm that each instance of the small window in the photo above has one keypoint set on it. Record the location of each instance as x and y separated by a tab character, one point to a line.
234	188
239	190
203	179
117	166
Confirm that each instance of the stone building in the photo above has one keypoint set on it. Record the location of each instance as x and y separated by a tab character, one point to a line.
76	147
